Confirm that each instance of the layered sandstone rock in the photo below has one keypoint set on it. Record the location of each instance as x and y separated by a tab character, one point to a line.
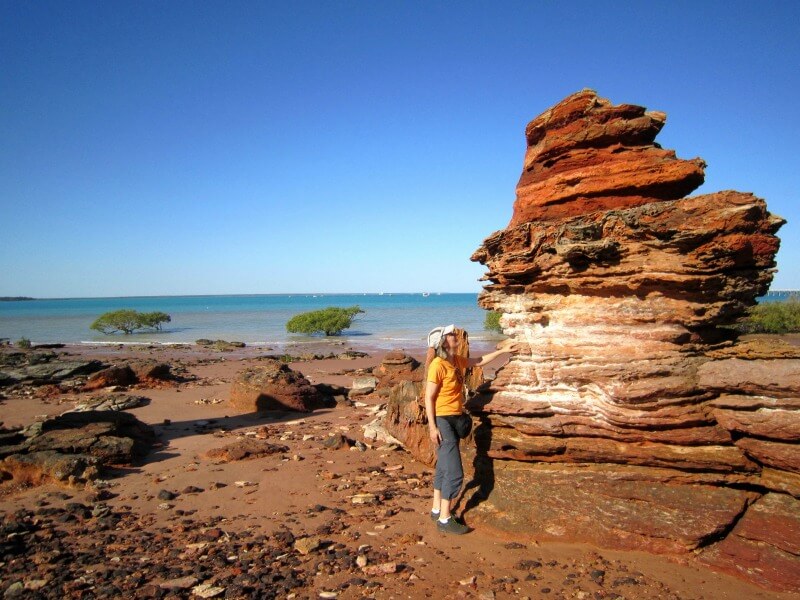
617	287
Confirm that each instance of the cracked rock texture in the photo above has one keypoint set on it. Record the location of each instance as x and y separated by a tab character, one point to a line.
632	418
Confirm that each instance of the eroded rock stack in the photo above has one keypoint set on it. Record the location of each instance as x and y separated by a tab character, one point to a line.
631	418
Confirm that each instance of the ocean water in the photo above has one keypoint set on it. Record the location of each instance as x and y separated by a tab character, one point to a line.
390	320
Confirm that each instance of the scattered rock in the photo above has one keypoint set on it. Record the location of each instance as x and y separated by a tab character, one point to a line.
364	499
306	545
335	442
207	590
166	495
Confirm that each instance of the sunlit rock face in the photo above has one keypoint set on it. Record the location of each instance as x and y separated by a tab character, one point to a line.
629	398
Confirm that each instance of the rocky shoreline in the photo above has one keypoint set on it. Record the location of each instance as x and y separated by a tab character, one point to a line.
235	503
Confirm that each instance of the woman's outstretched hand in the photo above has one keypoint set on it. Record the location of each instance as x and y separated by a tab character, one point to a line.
510	345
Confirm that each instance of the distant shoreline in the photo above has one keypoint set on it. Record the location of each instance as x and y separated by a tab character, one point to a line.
254	295
15	298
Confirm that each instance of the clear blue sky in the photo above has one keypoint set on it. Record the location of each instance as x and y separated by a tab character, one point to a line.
254	147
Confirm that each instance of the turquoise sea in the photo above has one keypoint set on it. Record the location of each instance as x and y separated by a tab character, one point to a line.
389	321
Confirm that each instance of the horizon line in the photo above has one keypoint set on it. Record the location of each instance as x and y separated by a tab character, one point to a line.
28	298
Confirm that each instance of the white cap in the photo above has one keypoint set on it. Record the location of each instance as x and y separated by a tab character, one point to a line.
437	334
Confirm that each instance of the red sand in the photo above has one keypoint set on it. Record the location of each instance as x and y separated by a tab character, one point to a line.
288	484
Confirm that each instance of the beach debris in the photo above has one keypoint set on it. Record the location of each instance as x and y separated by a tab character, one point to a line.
209	401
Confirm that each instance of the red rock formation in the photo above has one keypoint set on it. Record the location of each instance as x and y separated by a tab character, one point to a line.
629	398
112	376
397	366
273	386
73	448
586	155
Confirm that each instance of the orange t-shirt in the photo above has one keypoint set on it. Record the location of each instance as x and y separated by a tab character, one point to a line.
450	400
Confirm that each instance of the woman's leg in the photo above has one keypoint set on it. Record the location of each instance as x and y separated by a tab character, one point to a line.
449	471
437	501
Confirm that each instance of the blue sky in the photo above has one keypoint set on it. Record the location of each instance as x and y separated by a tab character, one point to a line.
253	147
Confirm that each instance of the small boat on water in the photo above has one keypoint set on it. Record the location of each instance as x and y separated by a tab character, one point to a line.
425	294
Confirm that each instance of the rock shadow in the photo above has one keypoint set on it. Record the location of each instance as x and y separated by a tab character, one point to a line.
173	430
482	483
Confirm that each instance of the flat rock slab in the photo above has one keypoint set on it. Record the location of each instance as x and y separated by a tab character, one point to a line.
780	378
72	447
110	402
48	372
764	547
40	467
573	506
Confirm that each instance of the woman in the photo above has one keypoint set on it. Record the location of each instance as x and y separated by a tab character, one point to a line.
447	421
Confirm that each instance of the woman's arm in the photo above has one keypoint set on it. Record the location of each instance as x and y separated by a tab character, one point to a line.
507	347
431	391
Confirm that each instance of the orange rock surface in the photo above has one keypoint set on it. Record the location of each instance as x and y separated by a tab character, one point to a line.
618	288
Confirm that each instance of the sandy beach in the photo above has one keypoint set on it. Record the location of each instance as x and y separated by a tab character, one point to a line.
228	523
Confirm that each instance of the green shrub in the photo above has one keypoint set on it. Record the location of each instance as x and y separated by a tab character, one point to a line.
330	321
24	343
154	319
128	320
492	321
772	317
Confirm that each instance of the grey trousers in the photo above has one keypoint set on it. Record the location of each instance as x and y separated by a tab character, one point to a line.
449	471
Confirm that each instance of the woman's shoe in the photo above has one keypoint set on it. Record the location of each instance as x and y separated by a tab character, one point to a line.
452	526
